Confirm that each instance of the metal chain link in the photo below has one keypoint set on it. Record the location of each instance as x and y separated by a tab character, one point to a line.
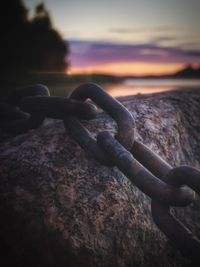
27	108
124	119
14	120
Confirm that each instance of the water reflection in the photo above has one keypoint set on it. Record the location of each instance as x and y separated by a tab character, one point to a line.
144	86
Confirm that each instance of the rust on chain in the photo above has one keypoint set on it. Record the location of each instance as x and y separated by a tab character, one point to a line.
84	138
141	177
124	119
118	112
58	107
35	105
15	122
177	232
150	160
155	164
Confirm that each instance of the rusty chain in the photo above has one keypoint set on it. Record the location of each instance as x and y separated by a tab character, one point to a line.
27	108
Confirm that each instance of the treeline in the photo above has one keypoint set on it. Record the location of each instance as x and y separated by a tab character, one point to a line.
189	72
29	45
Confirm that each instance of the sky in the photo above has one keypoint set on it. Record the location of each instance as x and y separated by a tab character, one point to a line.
127	37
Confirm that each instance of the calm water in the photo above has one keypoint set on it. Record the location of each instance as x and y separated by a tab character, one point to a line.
145	86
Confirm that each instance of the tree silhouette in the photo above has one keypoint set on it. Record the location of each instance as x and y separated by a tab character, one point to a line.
29	45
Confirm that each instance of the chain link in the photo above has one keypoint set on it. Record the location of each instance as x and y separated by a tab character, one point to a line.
124	119
16	121
27	108
141	177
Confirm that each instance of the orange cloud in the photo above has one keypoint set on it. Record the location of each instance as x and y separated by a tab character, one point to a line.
128	68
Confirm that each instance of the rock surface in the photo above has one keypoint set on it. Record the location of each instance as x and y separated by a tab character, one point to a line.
60	207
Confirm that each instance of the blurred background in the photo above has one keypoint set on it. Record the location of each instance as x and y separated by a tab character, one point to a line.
127	47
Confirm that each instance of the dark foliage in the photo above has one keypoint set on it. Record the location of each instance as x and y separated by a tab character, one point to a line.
29	45
188	72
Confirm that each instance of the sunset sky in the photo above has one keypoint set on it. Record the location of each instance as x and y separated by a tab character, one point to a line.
129	37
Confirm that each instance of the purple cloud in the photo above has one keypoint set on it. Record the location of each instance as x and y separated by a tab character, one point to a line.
94	53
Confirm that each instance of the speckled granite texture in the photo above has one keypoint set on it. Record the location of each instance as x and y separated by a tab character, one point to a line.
61	208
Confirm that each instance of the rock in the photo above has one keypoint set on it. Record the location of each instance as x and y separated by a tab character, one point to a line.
59	207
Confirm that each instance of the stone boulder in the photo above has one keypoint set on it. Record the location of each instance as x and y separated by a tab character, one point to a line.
59	207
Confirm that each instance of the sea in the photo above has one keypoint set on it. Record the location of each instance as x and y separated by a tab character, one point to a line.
147	86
